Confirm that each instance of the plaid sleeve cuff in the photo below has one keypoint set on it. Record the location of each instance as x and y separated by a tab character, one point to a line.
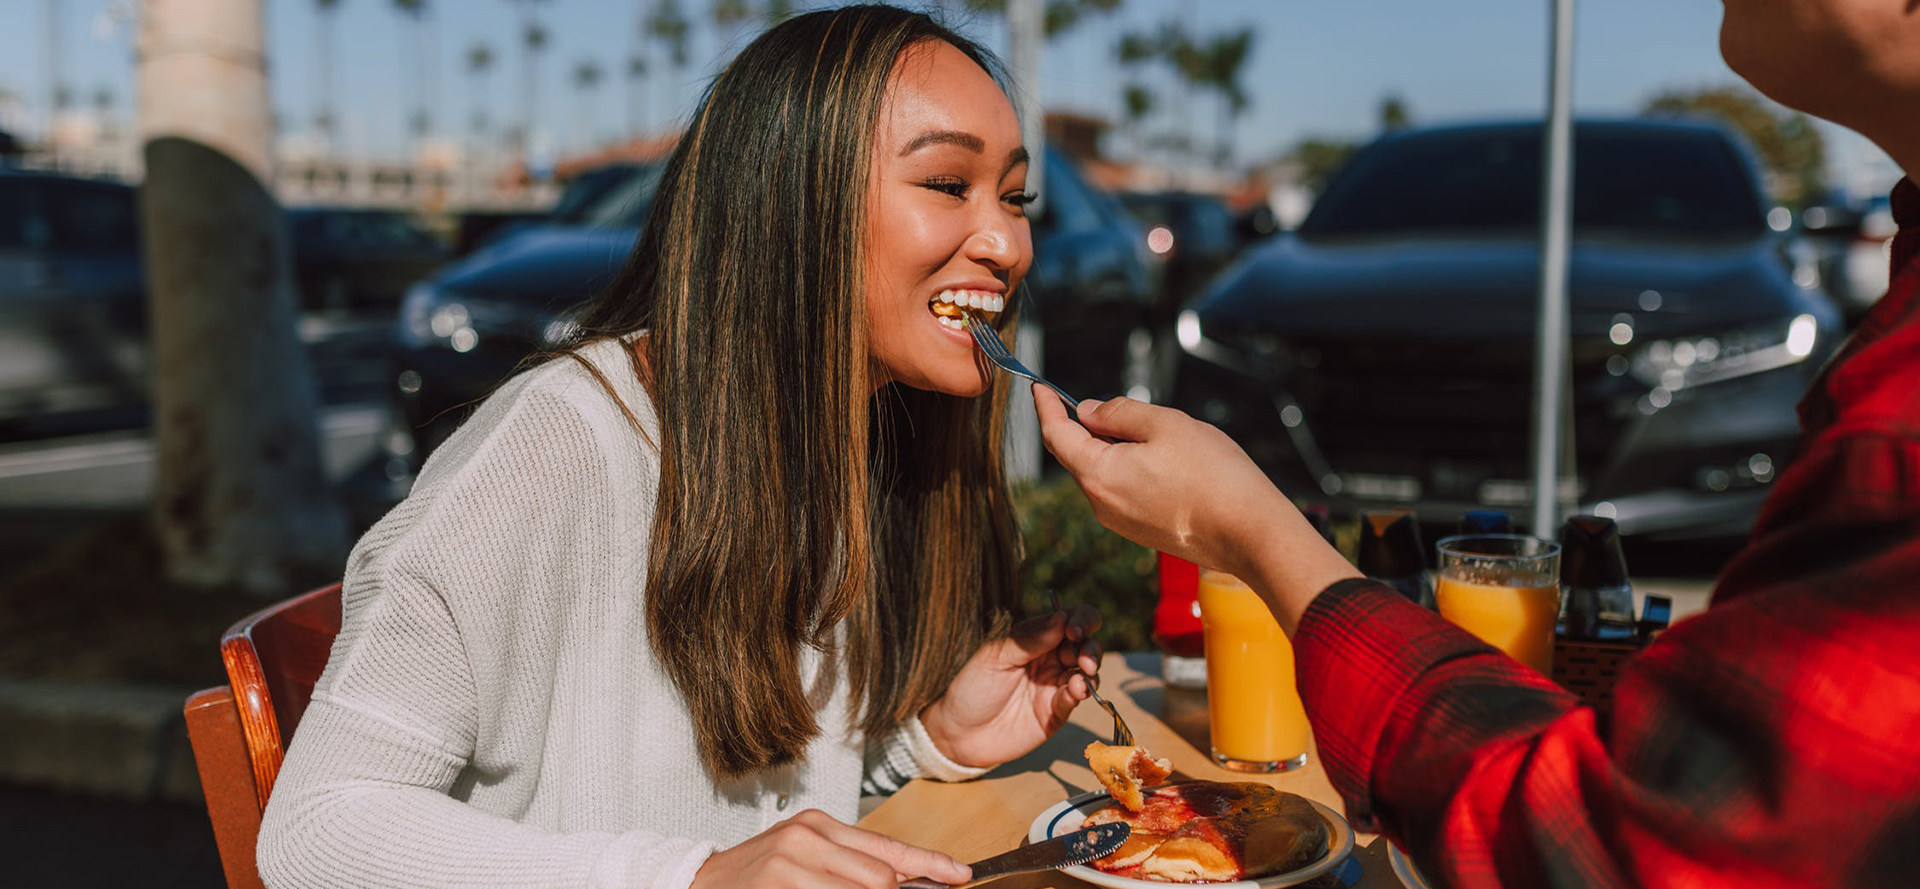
1359	648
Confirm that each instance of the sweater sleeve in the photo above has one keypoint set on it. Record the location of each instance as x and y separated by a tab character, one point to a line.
907	753
366	797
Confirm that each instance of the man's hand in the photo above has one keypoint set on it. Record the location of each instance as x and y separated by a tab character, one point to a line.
1180	486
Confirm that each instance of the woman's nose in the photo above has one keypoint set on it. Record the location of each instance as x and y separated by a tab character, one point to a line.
995	240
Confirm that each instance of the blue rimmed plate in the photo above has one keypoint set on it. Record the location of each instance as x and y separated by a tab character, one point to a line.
1065	817
1404	869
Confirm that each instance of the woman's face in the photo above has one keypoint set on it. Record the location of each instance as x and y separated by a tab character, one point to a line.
947	219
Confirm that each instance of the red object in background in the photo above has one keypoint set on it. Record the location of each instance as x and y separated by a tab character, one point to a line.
1176	621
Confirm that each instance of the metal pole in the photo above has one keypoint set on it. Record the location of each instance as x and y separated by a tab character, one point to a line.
1024	41
1550	367
56	89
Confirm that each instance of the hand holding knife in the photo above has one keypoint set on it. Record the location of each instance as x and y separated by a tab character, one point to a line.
1066	850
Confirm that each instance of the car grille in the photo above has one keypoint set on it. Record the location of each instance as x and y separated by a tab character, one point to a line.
1453	416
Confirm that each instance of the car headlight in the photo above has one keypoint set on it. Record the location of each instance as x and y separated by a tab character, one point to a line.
1248	351
426	320
1696	361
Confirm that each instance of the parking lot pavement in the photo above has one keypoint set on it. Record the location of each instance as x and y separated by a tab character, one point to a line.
55	840
114	470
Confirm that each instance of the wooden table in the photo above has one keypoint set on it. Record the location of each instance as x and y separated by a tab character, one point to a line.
991	815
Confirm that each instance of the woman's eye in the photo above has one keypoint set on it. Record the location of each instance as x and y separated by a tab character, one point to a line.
948	186
1021	198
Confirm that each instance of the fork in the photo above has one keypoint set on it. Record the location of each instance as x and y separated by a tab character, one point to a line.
996	351
1122	736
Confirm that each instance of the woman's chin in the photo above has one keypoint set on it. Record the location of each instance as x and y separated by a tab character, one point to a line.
970	384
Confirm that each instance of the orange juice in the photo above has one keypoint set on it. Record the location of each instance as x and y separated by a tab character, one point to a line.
1253	707
1514	613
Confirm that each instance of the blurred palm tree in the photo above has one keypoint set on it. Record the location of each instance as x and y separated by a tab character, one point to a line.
1214	63
1222	60
533	42
325	120
1138	102
103	102
667	25
1056	18
636	92
1394	114
730	18
586	79
479	65
419	119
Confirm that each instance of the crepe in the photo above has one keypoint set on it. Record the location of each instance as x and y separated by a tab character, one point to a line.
1125	770
1207	831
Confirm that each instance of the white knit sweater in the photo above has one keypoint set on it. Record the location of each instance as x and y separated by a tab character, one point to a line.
493	714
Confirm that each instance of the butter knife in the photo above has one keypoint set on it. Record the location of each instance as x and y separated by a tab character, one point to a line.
1065	850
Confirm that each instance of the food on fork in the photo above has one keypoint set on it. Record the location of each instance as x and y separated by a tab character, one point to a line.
953	306
1211	832
1124	770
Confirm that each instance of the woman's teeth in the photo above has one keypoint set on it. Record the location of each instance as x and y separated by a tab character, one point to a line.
951	307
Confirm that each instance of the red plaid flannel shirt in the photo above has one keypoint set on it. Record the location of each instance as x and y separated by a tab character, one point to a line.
1773	740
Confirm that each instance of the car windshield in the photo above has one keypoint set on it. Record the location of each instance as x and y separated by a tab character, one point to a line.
626	204
1666	182
587	190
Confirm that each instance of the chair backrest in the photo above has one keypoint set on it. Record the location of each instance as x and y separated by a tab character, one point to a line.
273	659
239	731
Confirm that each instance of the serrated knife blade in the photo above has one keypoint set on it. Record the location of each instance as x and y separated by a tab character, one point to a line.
1065	850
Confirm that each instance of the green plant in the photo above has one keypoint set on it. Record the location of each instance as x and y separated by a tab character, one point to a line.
1070	553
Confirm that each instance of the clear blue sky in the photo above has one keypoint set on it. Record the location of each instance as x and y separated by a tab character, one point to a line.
1318	67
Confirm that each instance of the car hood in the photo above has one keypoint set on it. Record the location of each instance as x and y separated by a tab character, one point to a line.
1487	289
548	266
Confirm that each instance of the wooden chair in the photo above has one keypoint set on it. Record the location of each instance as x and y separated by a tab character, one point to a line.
240	730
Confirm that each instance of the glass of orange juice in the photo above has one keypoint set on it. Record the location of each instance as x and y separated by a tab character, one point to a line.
1253	708
1505	589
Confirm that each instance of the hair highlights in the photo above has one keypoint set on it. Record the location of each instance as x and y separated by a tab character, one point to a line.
795	508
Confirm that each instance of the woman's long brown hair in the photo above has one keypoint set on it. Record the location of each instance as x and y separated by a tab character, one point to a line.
794	504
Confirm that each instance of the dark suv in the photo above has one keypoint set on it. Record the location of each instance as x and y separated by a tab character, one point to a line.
1383	354
468	326
72	312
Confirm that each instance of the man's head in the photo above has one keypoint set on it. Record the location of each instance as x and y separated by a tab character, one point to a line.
1854	62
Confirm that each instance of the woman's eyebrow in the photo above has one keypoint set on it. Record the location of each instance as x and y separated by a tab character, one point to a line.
968	141
1015	158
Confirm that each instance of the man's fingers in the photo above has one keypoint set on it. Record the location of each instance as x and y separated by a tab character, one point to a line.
1066	440
1126	419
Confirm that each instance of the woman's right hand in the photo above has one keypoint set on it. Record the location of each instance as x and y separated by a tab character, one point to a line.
812	850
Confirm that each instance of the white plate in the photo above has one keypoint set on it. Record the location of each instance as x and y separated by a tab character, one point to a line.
1065	817
1403	868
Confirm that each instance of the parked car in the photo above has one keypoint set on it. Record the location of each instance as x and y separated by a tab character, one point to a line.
72	307
345	259
468	326
1853	241
1383	353
582	193
1194	232
1094	287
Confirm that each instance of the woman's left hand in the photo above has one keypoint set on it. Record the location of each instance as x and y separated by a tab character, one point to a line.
1016	692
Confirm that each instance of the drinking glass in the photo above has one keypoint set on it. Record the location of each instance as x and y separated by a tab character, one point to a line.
1505	589
1253	708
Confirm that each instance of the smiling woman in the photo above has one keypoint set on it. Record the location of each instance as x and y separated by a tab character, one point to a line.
742	549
